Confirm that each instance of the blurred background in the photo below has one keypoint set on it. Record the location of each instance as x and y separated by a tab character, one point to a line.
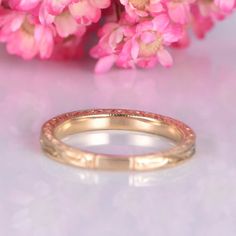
40	197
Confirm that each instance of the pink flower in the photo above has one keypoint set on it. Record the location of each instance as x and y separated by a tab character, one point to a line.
55	7
208	9
142	8
137	32
68	48
112	37
225	5
142	44
23	5
66	25
88	11
179	11
201	24
84	11
71	16
24	36
48	10
204	15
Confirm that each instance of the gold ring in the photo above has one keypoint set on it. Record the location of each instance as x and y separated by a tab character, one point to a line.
54	130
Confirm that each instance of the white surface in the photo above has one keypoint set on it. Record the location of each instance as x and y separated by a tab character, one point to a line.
40	197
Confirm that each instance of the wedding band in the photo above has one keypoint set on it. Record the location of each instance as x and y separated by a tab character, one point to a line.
54	130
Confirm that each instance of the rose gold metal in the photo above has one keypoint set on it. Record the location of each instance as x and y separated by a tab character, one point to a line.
54	130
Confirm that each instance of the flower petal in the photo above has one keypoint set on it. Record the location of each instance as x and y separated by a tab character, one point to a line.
225	5
104	64
164	58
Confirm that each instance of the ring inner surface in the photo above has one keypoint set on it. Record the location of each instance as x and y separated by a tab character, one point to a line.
141	124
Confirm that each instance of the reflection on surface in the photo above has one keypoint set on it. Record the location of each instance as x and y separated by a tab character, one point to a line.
116	142
119	142
73	175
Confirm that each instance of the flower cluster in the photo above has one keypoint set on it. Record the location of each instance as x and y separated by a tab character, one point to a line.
130	32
